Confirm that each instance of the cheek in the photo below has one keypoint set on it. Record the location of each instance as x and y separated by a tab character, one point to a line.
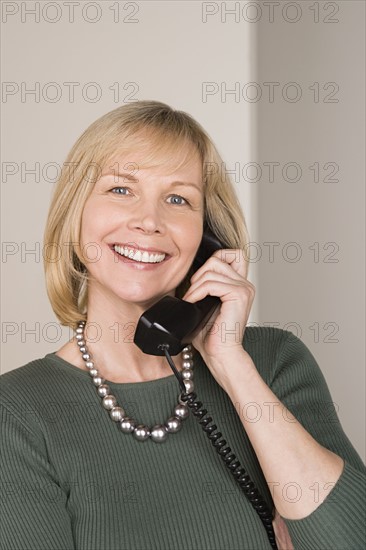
93	230
88	228
95	221
190	236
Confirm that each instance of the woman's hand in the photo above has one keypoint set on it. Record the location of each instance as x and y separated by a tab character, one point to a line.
223	275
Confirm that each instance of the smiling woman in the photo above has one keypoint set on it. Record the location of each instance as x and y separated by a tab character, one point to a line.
144	194
131	143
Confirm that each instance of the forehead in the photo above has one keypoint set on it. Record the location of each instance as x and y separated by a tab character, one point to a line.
166	156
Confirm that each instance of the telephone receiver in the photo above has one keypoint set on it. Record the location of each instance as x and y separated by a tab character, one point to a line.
175	322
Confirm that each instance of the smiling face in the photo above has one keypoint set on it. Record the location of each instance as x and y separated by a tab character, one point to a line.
141	228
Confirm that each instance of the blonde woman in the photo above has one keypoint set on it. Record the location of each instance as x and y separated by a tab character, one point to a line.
122	465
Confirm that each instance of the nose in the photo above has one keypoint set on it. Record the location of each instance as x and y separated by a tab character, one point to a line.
147	218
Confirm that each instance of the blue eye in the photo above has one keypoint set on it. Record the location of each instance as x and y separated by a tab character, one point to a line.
120	190
178	200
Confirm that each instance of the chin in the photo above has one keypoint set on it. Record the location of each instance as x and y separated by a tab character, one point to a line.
128	295
150	301
143	299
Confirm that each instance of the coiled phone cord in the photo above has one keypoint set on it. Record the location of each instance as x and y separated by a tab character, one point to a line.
229	458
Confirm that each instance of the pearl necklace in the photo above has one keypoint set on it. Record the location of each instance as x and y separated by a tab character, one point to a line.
141	432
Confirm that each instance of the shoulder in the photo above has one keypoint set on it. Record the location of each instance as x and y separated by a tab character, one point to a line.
35	394
19	388
31	383
29	373
256	336
278	354
265	345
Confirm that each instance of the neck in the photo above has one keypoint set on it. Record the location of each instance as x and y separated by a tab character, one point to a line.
109	335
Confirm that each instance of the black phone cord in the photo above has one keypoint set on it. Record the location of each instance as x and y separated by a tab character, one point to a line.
229	458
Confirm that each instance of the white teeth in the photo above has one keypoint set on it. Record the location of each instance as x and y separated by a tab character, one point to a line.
139	256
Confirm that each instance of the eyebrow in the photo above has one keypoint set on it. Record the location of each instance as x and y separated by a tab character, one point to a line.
130	177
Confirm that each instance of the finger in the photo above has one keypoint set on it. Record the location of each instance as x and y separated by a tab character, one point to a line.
210	275
235	258
216	264
225	275
213	276
222	289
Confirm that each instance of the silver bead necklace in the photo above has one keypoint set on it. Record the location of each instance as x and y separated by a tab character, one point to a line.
141	432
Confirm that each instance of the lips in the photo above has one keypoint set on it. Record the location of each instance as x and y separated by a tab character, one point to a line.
139	255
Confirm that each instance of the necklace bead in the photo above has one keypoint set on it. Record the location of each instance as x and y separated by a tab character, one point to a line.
157	433
127	425
109	401
141	432
188	385
181	411
103	390
187	374
173	424
117	413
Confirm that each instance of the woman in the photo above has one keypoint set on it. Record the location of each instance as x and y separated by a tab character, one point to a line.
82	467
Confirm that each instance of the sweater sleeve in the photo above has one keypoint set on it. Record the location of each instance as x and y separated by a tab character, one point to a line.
33	505
339	521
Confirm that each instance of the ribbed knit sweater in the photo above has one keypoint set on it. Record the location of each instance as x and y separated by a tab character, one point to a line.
70	479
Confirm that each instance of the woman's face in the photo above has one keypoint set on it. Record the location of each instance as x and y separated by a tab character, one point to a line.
141	228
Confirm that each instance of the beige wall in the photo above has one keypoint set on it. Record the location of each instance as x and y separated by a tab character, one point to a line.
191	55
320	296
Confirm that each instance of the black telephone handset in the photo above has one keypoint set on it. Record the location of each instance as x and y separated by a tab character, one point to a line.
173	321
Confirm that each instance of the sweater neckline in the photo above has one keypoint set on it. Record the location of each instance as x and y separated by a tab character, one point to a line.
147	384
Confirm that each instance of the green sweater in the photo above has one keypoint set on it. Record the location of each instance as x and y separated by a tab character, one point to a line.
71	480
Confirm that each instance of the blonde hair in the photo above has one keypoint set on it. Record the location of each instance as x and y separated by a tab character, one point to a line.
113	133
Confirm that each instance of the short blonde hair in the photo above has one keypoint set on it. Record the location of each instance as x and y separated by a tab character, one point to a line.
117	131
